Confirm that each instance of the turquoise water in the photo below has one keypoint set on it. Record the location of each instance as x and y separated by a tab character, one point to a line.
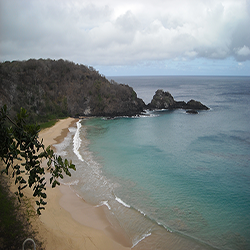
169	171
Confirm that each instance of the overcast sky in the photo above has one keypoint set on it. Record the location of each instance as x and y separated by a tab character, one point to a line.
131	37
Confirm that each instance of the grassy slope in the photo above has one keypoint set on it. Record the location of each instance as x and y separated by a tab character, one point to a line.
48	124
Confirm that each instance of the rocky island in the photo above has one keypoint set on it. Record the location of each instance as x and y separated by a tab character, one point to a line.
51	89
164	100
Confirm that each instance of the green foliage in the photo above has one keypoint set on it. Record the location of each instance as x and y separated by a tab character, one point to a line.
11	229
8	219
134	95
23	153
14	224
48	124
49	88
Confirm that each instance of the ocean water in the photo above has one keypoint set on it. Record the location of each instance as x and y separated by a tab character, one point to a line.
171	180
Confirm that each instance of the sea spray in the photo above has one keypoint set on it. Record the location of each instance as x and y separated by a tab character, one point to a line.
94	180
105	203
98	189
189	173
61	148
77	141
121	202
136	241
72	183
169	166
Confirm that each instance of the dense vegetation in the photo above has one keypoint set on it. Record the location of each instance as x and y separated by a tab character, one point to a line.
22	154
15	219
51	89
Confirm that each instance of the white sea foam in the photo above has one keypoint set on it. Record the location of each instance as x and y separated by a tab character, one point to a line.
160	110
160	224
121	202
77	141
72	129
61	147
78	195
104	203
142	212
142	238
72	183
149	115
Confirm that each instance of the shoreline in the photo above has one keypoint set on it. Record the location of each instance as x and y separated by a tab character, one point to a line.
68	222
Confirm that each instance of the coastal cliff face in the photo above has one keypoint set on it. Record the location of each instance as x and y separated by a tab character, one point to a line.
48	88
51	89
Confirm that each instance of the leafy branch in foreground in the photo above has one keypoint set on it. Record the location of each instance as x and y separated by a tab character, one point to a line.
23	153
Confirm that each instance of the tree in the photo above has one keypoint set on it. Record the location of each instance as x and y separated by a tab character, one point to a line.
23	153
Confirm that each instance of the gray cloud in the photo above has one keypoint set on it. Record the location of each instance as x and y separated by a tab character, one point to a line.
108	32
244	51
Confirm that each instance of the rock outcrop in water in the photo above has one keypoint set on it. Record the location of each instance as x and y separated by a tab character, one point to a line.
164	100
161	100
192	111
51	89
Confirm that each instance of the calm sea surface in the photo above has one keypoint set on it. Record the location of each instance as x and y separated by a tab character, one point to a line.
172	180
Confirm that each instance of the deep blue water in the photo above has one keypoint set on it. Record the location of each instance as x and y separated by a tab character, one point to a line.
172	171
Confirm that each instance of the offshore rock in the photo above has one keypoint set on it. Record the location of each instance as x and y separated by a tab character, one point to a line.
164	100
192	111
192	104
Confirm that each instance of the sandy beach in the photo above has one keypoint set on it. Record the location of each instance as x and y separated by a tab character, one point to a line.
68	222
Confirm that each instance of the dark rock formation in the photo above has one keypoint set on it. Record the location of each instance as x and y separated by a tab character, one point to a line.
192	111
51	89
164	100
161	100
192	104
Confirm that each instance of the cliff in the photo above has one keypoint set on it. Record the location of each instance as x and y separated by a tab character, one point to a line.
49	88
